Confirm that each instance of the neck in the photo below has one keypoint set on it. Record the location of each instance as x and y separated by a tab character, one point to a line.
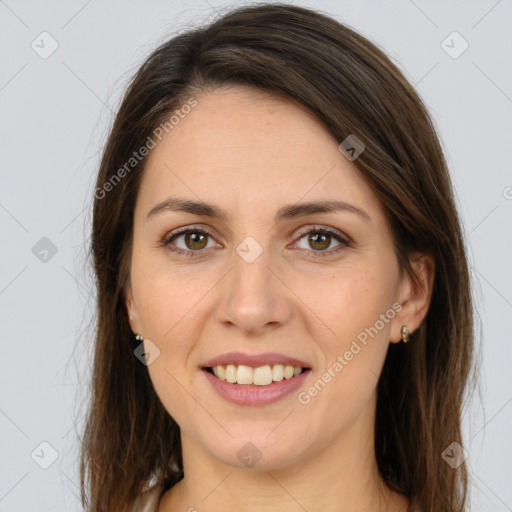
343	476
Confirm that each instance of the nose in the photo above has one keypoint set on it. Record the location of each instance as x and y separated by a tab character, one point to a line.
253	297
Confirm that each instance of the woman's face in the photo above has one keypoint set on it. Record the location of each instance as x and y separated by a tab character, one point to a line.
262	281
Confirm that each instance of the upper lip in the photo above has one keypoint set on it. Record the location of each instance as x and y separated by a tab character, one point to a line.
254	360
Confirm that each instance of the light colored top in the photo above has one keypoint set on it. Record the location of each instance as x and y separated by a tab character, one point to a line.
148	500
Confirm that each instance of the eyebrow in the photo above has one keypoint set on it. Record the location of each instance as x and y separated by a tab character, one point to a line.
288	211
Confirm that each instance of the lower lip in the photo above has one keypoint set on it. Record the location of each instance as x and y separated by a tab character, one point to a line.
250	394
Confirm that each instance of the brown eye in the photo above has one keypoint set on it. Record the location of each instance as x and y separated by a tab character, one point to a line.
189	242
195	240
319	241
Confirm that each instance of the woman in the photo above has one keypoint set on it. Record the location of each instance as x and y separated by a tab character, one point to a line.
284	310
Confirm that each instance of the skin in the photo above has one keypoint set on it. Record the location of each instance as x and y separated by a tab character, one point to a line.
251	153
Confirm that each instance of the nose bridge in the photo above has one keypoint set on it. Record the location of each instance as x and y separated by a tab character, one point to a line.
252	297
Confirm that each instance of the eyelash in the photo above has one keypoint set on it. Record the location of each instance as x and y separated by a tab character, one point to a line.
322	231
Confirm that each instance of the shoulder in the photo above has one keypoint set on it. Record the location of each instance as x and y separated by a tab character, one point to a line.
148	500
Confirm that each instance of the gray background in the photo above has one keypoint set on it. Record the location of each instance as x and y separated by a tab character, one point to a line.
54	115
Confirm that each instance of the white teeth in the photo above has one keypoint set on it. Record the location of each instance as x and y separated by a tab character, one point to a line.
231	373
277	372
288	372
221	372
244	374
260	376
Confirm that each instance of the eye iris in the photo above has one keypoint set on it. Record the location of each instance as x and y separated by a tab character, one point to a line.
324	238
195	238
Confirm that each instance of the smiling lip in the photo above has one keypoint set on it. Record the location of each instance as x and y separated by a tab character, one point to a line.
254	361
243	394
250	394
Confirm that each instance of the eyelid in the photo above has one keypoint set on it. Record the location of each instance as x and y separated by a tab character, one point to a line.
184	230
343	240
318	227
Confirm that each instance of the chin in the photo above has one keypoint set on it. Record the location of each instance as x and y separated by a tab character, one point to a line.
258	451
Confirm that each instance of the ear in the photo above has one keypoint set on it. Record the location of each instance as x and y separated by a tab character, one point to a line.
131	309
414	297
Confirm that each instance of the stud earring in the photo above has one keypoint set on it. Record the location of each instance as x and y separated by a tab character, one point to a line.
139	337
405	333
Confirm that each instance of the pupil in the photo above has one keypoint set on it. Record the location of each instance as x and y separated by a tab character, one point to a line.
197	238
323	237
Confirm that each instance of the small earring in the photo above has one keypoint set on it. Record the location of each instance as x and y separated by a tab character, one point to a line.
139	337
405	333
131	317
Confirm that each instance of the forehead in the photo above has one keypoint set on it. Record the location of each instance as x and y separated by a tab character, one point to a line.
243	144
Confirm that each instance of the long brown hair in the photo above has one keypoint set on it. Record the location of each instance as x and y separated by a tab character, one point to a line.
353	88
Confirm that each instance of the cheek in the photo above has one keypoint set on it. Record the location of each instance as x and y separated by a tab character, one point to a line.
356	299
358	313
169	309
168	302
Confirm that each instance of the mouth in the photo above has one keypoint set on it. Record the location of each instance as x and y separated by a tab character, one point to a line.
265	375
